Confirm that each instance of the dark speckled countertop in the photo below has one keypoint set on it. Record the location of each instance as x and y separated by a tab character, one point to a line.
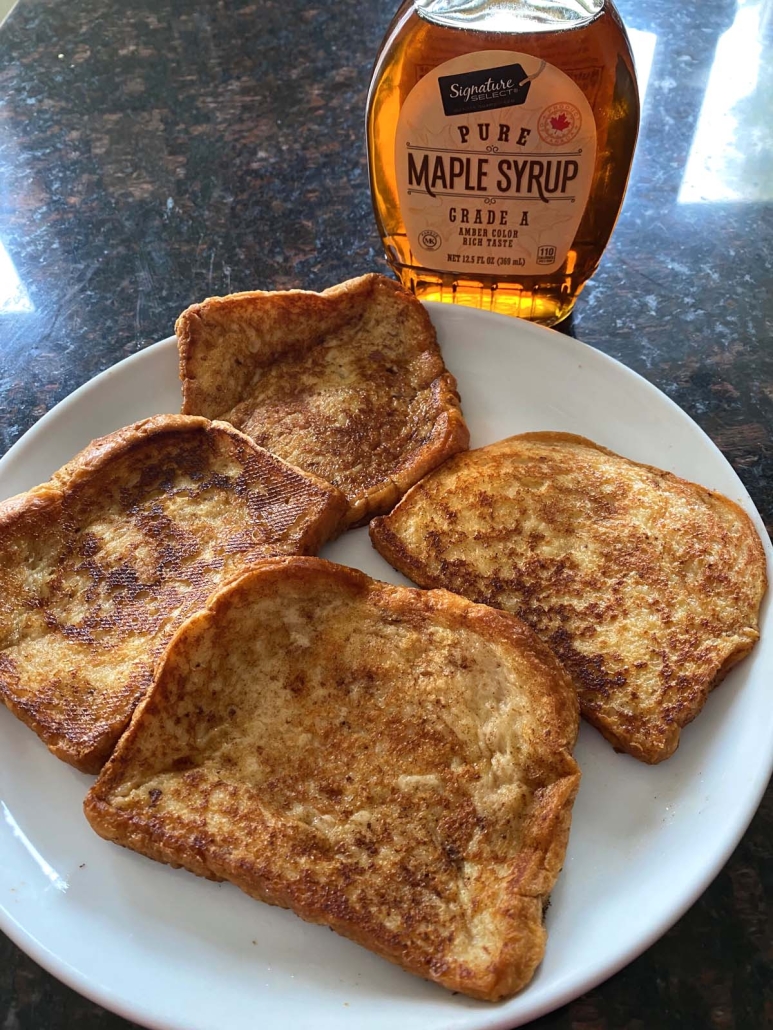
153	153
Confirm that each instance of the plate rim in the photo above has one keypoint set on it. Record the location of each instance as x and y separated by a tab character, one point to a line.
482	1019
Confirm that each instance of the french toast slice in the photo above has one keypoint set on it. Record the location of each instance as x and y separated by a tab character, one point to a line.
100	565
646	586
393	763
348	383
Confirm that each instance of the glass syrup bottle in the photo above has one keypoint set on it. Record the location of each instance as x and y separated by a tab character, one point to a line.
500	138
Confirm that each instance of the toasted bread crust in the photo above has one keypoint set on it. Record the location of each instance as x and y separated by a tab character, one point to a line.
646	586
101	564
252	760
348	383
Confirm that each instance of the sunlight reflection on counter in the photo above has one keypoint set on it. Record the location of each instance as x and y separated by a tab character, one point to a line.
732	153
14	299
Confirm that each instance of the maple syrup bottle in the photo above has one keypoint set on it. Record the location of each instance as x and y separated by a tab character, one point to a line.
500	138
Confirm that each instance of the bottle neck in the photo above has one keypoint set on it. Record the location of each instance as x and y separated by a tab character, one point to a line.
510	15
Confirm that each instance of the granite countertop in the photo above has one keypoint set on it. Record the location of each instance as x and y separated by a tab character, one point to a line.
153	153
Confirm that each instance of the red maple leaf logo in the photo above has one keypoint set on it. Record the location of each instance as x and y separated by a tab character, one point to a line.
560	123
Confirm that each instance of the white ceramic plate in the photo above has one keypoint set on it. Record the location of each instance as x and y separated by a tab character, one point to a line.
172	951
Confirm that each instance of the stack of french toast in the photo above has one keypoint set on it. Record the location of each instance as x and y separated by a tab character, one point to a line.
395	763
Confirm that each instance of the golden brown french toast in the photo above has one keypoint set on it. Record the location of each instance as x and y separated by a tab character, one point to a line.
646	586
99	566
348	383
390	762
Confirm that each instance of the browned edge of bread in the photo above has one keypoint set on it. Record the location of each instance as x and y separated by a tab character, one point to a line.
237	375
391	548
530	878
89	757
449	433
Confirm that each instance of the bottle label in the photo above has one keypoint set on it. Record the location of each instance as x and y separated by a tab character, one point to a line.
495	154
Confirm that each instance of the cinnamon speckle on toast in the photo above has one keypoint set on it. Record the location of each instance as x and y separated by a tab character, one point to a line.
646	586
390	762
348	383
100	565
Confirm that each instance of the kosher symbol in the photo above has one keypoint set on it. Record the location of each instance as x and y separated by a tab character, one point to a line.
429	239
